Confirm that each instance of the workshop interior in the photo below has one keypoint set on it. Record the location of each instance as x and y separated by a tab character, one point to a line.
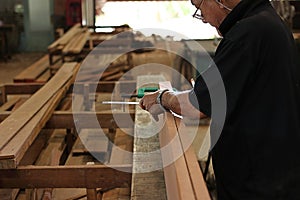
72	75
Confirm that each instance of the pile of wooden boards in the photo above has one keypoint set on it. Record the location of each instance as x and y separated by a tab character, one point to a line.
69	44
37	72
75	163
19	129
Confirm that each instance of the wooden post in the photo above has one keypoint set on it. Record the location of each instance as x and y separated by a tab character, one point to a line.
91	194
111	138
3	98
86	95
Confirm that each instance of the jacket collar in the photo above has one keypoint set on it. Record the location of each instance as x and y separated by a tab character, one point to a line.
239	11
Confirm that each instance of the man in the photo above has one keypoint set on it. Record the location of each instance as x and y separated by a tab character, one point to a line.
257	155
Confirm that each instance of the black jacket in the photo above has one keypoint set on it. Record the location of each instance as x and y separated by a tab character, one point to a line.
257	155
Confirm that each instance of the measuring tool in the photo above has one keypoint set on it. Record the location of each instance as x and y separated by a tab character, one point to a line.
121	102
141	92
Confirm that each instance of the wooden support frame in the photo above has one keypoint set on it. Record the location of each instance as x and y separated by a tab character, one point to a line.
65	120
85	176
183	178
3	97
31	88
57	85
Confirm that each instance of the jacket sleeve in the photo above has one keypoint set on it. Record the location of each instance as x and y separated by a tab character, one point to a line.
233	67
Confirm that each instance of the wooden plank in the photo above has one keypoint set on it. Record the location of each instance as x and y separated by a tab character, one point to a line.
101	86
178	170
43	78
13	123
29	159
8	194
22	88
13	152
81	43
185	171
117	193
19	103
99	176
51	156
96	142
65	119
91	194
123	145
32	72
147	178
65	38
9	104
83	195
195	173
36	147
72	43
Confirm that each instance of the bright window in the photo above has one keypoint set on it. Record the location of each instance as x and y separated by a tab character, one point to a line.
171	15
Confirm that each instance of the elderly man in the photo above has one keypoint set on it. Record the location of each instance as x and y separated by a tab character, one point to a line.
257	153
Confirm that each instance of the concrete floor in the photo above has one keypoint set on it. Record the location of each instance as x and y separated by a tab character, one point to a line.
18	62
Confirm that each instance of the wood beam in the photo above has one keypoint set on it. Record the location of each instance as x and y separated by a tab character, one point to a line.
195	173
147	178
64	119
183	175
102	86
85	176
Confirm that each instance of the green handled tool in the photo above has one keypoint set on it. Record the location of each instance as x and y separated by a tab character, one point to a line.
141	92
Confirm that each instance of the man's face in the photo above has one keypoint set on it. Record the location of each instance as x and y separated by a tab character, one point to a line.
210	11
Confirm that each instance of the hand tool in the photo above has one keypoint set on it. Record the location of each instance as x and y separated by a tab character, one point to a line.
121	102
141	92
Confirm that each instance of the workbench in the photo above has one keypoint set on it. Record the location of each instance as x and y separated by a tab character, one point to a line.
34	155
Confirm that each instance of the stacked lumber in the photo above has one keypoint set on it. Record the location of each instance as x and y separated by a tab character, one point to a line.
22	126
61	42
37	72
77	42
70	45
183	175
105	68
10	104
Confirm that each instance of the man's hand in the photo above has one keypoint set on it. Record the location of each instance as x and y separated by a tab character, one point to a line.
148	103
178	103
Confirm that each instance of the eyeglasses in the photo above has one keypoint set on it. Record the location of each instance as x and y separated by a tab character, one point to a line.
197	13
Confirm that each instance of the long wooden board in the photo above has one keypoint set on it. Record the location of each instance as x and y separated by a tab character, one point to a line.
98	176
32	72
178	184
183	175
147	178
9	104
195	173
63	40
12	153
102	86
12	124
